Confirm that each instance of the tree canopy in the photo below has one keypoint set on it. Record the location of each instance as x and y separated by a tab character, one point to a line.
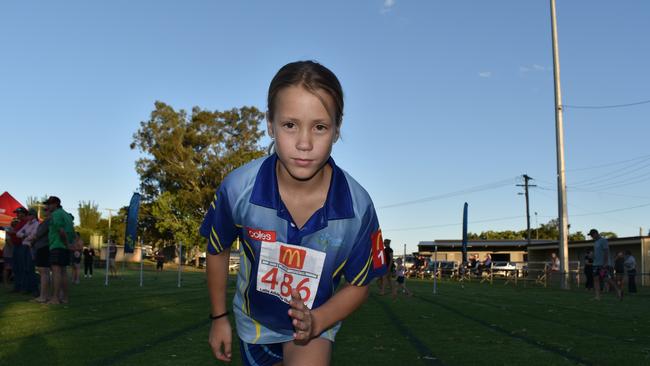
185	157
548	231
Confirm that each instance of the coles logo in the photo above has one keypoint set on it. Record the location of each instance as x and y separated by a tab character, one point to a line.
261	235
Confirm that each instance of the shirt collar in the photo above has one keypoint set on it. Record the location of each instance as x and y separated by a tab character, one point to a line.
338	204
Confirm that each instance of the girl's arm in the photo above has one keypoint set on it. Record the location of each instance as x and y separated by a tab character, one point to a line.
310	324
220	337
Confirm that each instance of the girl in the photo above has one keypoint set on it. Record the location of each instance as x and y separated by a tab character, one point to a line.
302	223
401	285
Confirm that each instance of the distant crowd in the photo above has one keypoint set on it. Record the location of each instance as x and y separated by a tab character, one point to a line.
38	251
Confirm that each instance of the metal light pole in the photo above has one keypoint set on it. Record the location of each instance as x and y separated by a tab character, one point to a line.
108	247
559	139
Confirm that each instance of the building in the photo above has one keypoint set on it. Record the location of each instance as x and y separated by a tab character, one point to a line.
540	251
500	250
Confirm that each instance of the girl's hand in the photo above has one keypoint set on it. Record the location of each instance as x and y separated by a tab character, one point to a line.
220	339
302	318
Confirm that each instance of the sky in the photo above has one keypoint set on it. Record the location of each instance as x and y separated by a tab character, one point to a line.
446	102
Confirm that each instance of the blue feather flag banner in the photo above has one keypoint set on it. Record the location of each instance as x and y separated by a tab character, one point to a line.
464	246
130	236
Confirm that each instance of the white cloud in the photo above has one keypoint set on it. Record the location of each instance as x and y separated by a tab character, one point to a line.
531	68
485	74
387	6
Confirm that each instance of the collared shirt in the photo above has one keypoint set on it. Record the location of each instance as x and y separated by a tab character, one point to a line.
340	238
60	219
28	231
601	246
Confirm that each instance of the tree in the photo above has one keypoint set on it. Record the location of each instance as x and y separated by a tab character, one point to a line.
185	159
89	215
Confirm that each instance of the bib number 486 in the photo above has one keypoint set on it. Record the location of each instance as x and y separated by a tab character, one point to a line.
287	284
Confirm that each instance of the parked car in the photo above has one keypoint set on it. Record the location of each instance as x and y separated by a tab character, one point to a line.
503	268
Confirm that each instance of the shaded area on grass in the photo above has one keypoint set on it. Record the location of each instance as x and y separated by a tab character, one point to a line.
426	354
508	333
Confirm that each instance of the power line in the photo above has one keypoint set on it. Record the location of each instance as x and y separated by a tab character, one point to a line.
606	106
455	224
480	188
615	210
628	169
626	182
608	164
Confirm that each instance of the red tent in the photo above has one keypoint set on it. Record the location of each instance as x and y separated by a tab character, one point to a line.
7	206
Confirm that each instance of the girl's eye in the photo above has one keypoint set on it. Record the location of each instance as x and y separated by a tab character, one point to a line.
289	125
321	128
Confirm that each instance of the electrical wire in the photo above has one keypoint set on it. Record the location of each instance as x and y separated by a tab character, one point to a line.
485	187
626	170
605	106
454	224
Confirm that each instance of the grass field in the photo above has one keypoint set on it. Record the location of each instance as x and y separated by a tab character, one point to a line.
161	324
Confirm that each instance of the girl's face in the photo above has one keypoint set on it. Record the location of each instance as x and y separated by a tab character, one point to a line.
303	130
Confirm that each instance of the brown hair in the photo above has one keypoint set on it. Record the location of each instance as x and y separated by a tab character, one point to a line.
312	76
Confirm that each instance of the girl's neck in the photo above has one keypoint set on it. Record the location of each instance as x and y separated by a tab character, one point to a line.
318	183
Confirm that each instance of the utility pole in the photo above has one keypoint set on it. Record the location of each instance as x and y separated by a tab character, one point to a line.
526	185
563	240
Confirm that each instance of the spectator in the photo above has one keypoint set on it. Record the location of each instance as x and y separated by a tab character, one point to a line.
75	258
387	279
486	265
112	254
89	257
602	263
61	234
8	254
401	285
589	270
27	234
619	270
20	251
630	267
41	246
160	261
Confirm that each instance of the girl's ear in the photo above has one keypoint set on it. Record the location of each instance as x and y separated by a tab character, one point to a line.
337	134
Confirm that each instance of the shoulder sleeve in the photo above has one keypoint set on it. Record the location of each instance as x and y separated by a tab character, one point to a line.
366	260
218	225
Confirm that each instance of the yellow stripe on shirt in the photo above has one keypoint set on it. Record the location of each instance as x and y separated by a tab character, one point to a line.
364	270
218	241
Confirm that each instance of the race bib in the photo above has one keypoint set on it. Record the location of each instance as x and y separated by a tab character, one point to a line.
283	267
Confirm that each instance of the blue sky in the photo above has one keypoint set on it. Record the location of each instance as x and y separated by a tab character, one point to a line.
441	97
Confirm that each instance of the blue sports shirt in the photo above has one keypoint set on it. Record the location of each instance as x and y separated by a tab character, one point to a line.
340	238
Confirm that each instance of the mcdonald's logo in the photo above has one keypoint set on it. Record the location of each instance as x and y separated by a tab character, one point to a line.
292	257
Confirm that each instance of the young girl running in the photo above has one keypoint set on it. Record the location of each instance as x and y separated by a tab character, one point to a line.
302	222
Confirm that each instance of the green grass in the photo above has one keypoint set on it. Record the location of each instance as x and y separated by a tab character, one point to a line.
161	324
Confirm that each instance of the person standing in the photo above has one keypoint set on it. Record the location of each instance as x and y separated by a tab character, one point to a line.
630	267
41	246
75	257
89	257
401	283
61	235
27	234
619	270
20	251
589	270
602	264
387	278
112	254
